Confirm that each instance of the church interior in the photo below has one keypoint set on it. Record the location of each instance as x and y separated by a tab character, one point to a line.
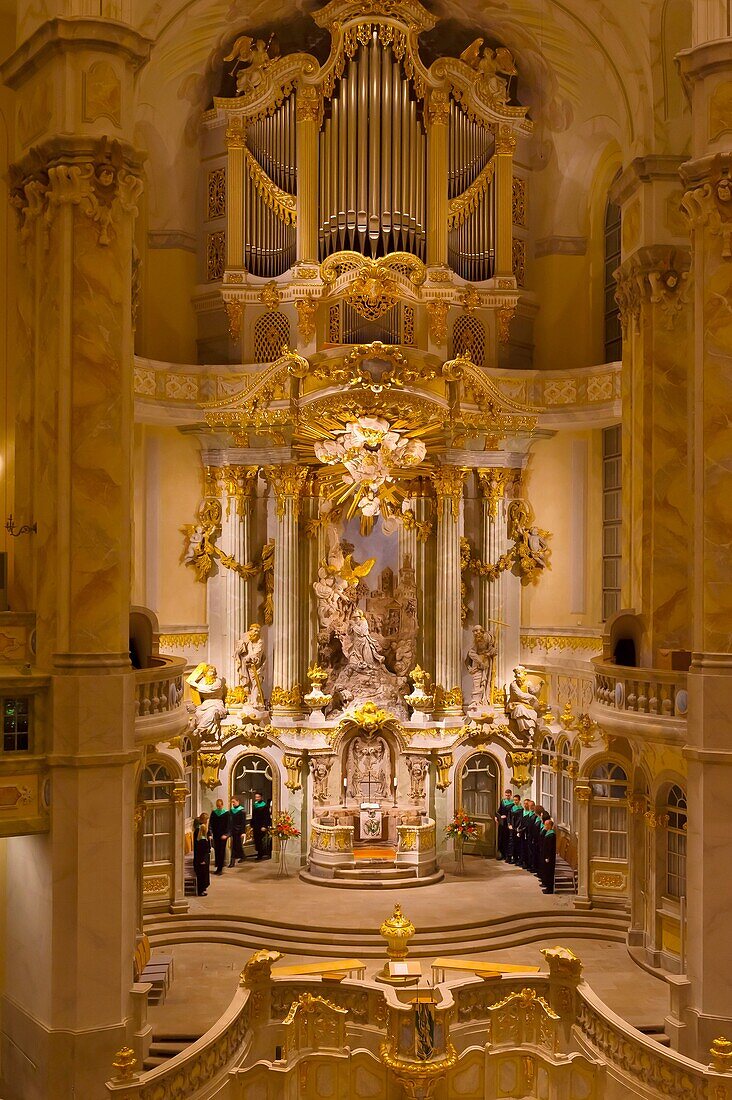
365	594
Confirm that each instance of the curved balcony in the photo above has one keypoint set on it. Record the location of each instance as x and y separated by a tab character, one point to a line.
160	712
639	699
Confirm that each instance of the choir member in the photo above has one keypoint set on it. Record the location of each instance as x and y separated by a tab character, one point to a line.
261	820
513	819
504	809
548	857
219	830
201	855
238	827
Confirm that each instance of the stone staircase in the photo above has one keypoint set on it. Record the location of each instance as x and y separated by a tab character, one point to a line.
565	878
164	1047
374	874
169	929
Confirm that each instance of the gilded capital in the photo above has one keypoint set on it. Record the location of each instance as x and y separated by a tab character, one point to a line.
287	481
448	482
309	104
236	133
438	108
493	482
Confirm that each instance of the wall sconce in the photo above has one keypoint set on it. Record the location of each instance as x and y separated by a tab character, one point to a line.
26	529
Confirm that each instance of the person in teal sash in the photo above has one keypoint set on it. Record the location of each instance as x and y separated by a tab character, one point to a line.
219	829
238	827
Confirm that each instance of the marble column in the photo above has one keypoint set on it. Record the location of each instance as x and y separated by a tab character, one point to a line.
71	917
448	484
287	481
179	903
239	490
437	116
424	576
582	794
707	72
499	599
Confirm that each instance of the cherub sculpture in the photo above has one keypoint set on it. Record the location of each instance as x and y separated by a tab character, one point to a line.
491	64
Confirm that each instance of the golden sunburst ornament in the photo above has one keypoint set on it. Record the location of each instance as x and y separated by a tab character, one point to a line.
367	453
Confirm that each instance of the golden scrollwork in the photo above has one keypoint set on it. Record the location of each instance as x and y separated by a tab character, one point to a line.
281	203
234	311
258	967
563	963
287	698
521	764
185	640
437	311
560	641
216	194
215	256
211	759
654	820
307	309
582	792
443	764
505	316
463	205
373	292
270	296
609	880
721	1055
293	766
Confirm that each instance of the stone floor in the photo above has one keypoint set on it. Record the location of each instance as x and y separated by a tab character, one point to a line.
206	975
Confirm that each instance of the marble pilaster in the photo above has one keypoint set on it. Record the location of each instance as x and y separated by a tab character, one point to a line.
654	297
448	483
287	482
67	1004
707	72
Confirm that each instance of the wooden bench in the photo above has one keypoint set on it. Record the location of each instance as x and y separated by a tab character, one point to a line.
332	969
479	968
159	973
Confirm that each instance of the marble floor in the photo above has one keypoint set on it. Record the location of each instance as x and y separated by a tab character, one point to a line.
206	974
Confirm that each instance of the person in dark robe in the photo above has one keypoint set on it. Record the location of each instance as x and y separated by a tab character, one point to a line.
536	835
261	820
238	827
219	829
513	820
524	837
504	809
548	857
201	855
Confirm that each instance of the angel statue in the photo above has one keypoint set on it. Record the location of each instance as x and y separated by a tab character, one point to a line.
208	690
479	663
523	706
254	57
490	64
200	550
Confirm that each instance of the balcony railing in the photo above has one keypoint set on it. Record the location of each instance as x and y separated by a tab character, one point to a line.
160	712
650	693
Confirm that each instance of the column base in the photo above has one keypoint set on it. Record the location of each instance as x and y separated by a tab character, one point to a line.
40	1063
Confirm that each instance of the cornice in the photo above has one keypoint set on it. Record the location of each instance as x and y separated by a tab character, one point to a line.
60	35
645	170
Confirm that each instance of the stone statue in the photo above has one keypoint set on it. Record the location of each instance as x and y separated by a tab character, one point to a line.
210	689
329	589
418	767
479	663
368	769
523	706
250	656
359	648
320	767
254	57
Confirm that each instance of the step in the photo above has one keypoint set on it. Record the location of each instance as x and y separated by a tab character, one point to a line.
656	1032
370	872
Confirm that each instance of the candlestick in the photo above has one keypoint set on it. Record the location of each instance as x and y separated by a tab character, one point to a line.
395	789
345	790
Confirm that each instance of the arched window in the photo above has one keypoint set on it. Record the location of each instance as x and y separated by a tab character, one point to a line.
676	843
613	331
566	781
468	338
609	817
271	332
189	769
548	777
156	795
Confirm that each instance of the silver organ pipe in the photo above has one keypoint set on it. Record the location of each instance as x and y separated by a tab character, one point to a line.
269	243
471	241
372	159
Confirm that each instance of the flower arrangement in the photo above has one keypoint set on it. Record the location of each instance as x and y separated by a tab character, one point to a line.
462	827
283	826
